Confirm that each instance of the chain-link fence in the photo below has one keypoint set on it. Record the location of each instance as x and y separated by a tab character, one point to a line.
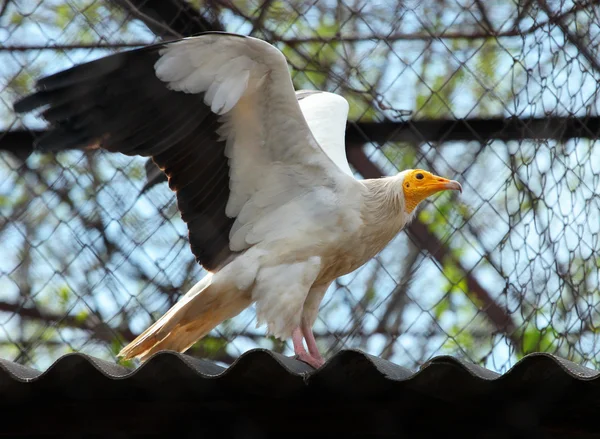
501	96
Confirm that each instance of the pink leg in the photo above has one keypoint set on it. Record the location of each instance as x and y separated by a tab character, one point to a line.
312	344
301	354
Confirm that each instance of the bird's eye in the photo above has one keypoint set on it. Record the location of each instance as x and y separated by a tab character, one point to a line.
419	176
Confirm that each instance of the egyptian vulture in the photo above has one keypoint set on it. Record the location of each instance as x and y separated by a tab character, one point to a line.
260	173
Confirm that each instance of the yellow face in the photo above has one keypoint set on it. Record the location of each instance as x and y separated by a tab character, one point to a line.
419	184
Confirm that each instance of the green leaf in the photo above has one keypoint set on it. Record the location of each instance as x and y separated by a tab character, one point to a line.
64	294
64	15
212	345
538	340
81	316
16	18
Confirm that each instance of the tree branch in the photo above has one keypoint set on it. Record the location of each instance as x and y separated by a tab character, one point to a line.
581	46
481	130
20	142
50	318
169	19
99	330
484	17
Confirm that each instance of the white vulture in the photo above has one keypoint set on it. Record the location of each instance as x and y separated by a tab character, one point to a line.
260	173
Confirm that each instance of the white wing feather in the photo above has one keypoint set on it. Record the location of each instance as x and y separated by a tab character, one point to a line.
273	155
326	115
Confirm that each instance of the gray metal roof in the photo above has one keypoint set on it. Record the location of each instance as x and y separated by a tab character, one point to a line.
353	392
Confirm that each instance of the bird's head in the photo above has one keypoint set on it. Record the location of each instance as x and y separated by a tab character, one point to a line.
418	184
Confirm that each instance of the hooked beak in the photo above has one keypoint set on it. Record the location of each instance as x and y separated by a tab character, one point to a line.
438	184
451	185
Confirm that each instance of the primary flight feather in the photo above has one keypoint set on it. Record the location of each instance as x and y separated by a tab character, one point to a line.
273	210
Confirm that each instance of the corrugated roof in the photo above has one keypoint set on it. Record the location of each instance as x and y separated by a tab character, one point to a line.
356	391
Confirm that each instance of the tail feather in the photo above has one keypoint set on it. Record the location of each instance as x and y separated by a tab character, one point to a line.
195	315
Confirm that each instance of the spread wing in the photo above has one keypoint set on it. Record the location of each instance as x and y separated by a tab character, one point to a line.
217	113
326	114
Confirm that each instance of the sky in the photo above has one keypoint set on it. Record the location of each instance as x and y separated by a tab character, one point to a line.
527	248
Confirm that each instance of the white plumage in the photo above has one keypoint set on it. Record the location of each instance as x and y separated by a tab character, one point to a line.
326	115
298	219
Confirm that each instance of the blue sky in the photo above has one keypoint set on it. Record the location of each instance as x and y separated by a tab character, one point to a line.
530	76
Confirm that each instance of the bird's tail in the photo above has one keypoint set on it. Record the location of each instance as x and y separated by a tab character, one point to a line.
205	306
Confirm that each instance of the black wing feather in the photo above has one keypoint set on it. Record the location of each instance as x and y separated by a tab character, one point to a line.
117	103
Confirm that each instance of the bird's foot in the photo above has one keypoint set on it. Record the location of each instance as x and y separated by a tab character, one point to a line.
313	359
305	357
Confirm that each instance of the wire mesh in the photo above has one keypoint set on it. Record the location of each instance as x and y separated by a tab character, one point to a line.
509	267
